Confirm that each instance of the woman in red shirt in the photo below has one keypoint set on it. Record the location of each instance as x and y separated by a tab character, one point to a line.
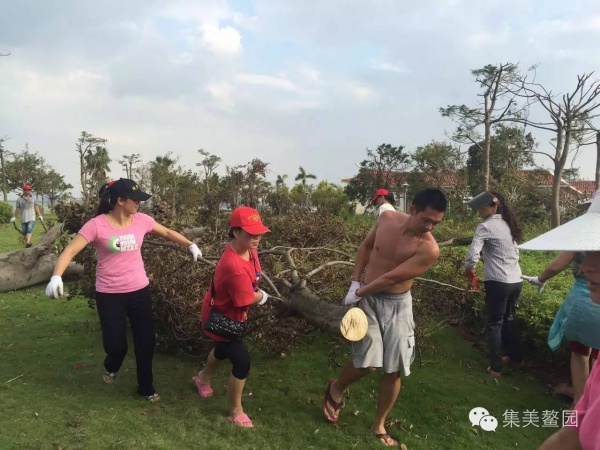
235	289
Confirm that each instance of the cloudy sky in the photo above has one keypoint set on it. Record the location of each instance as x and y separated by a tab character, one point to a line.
309	83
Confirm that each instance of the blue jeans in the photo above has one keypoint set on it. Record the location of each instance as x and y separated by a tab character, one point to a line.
501	299
27	227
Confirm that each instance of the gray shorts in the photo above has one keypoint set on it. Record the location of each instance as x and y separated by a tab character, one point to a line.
390	338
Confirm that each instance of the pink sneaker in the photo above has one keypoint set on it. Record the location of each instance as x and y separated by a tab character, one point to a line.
204	390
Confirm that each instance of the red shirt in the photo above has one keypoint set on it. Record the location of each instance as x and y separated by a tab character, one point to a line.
235	281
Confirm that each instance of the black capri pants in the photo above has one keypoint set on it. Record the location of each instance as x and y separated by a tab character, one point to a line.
237	353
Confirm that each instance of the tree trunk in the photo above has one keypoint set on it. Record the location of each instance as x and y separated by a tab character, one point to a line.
555	212
326	316
597	184
486	154
559	159
27	267
4	188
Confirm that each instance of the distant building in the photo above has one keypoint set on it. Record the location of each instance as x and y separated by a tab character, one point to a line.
579	190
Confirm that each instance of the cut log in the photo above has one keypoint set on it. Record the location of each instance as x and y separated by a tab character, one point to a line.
351	323
34	265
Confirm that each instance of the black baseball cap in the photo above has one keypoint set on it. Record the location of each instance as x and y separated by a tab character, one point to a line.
126	188
482	200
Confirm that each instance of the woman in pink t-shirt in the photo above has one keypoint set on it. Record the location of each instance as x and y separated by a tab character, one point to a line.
233	290
581	430
122	286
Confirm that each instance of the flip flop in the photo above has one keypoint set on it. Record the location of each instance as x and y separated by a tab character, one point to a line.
204	390
109	377
385	439
152	398
329	401
241	420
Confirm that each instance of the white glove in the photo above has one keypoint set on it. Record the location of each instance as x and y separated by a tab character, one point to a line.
41	219
535	281
13	219
195	251
351	295
55	287
264	298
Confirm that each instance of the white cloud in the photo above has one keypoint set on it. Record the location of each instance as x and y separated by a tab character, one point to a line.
245	22
222	95
221	40
360	92
302	84
309	73
205	11
388	67
266	80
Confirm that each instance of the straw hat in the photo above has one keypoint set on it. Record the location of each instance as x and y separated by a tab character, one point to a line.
579	235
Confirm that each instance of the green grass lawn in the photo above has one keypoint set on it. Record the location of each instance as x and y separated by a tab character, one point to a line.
11	239
53	396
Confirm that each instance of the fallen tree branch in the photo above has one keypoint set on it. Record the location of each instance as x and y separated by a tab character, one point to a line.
29	266
15	378
266	278
205	260
327	264
179	248
458	242
445	284
290	261
312	249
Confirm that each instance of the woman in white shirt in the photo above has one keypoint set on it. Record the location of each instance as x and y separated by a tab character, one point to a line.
495	241
383	201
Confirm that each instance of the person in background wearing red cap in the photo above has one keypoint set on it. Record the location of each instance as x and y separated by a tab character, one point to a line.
122	286
233	290
383	201
28	208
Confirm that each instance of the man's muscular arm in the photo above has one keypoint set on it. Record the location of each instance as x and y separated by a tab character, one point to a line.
424	258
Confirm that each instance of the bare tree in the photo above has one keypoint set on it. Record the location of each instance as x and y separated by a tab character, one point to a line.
597	178
496	104
128	162
209	163
569	117
86	144
3	154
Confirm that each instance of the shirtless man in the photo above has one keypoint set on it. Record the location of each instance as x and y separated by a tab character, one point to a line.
398	248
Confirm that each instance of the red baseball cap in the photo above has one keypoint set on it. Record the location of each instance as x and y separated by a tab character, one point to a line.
248	220
26	187
379	193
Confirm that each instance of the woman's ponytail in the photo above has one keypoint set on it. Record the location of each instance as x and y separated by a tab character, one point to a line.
509	217
107	202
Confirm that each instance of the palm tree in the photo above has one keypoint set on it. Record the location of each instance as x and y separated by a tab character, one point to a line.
303	176
280	182
97	166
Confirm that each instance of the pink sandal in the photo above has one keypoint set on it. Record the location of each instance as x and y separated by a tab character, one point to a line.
204	390
241	420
